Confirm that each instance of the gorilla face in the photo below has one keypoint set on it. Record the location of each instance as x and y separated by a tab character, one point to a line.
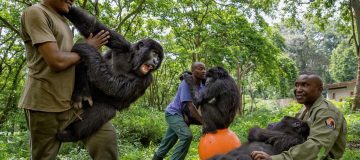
148	55
151	63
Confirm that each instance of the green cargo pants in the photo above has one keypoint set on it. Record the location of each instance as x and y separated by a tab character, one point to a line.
177	129
43	127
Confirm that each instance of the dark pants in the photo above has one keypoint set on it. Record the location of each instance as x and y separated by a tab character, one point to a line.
43	127
177	129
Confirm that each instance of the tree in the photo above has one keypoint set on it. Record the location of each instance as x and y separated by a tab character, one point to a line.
12	58
343	62
310	47
236	43
355	5
347	15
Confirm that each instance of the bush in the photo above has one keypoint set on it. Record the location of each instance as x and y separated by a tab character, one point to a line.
140	126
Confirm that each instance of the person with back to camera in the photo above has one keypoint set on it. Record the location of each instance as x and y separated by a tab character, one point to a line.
327	125
46	98
178	125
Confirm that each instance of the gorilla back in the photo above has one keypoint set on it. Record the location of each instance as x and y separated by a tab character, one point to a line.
113	81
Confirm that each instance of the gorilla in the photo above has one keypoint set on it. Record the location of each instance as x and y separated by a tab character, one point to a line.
277	137
112	82
219	100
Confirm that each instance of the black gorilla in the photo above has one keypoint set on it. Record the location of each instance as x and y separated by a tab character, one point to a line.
113	81
219	100
277	137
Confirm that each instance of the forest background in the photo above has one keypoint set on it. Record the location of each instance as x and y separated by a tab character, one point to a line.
264	44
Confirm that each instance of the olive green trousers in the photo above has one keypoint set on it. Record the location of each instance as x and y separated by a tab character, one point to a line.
43	127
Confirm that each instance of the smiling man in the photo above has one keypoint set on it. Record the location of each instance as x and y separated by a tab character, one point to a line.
46	98
327	139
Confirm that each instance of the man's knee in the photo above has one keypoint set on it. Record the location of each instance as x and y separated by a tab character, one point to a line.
103	143
186	137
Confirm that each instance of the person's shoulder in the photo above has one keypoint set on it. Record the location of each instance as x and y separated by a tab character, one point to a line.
327	108
330	106
183	87
33	10
183	83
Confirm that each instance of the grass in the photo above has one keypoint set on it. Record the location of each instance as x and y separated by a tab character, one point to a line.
140	130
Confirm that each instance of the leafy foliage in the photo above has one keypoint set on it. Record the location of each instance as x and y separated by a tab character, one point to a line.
343	62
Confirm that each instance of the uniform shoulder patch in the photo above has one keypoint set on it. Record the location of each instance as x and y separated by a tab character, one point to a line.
330	122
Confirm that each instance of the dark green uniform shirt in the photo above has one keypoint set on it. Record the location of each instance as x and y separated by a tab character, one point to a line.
327	137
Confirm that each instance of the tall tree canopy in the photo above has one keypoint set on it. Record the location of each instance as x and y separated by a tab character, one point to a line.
346	14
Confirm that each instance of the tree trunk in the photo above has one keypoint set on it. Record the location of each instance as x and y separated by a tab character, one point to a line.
194	57
243	101
238	75
355	4
356	102
12	97
252	96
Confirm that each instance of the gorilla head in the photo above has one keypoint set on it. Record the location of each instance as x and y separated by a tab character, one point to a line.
291	125
143	58
148	55
217	73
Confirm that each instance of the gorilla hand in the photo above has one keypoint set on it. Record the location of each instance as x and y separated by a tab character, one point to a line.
181	77
84	49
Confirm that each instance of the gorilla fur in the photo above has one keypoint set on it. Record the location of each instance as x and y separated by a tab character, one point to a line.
276	138
189	119
113	81
219	100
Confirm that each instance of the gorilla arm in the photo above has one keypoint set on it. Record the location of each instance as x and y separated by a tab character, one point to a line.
104	79
194	112
87	24
211	90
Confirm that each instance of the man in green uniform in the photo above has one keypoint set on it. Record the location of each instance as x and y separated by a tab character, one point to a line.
327	139
46	97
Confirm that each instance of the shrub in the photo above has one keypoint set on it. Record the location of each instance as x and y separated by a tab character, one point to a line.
140	126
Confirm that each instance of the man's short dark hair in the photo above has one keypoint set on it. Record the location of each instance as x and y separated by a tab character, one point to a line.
314	75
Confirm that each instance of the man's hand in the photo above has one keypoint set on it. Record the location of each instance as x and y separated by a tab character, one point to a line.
99	39
260	155
194	112
181	77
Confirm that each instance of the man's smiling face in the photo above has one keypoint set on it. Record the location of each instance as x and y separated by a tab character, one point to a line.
307	89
